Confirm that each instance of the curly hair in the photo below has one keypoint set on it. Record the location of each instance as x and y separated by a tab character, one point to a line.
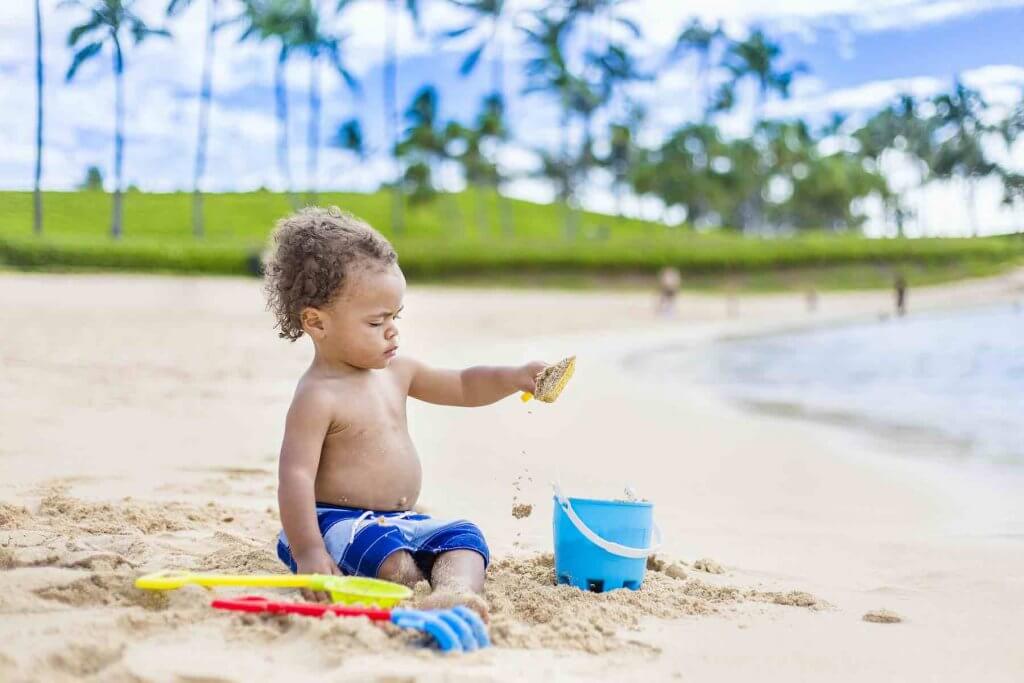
314	252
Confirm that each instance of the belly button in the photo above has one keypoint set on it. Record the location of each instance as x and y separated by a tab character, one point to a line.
402	502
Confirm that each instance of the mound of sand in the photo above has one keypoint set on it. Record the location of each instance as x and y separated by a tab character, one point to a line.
882	616
73	554
529	611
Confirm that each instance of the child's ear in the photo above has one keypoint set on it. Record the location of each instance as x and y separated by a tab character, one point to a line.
312	322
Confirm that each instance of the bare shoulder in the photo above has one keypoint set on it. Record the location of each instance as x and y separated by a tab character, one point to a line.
404	369
317	401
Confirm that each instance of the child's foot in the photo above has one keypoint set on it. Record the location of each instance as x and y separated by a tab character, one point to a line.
446	597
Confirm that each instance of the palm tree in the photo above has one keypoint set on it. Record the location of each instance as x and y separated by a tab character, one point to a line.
491	17
1013	191
624	153
426	145
108	19
37	195
897	129
700	40
349	137
756	56
547	71
310	37
959	120
1011	129
615	67
276	21
479	170
605	67
391	98
176	7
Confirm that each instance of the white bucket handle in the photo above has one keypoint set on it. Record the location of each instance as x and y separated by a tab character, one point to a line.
606	545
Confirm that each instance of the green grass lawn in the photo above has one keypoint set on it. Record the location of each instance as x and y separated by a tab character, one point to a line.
459	239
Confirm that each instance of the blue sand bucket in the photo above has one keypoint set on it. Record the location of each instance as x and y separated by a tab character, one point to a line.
601	545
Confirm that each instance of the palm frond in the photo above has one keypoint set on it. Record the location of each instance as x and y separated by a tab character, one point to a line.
175	7
631	26
456	32
140	32
76	34
469	63
81	57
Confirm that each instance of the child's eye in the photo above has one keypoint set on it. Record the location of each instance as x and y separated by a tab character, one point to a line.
397	317
376	324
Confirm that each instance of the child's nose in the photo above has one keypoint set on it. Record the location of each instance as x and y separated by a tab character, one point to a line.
391	332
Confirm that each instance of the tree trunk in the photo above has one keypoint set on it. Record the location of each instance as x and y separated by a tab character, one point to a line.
116	219
703	67
313	140
37	195
566	172
498	80
972	207
205	95
391	114
281	99
481	208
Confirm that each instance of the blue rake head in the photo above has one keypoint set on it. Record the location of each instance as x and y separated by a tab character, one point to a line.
459	629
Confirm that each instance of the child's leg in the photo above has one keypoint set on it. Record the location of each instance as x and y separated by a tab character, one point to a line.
457	578
458	569
401	568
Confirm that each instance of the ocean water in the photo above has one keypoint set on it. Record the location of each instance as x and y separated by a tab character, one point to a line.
951	384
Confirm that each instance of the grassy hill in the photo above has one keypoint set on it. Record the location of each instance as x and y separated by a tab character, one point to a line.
458	238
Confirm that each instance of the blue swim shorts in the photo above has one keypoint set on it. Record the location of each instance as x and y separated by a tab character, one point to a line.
360	540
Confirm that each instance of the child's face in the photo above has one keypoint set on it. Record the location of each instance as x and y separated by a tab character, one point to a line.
359	327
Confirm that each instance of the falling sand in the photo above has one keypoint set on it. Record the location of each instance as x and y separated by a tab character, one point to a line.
521	510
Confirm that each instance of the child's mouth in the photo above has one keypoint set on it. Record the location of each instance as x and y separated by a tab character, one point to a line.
390	353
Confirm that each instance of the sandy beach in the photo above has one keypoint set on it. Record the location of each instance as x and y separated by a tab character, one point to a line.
139	429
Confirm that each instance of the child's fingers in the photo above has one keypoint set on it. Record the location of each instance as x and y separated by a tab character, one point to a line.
307	594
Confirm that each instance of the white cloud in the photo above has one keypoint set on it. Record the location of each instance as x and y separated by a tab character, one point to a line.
864	96
662	20
999	84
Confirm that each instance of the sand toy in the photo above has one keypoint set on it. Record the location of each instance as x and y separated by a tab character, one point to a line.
601	545
458	629
552	380
349	590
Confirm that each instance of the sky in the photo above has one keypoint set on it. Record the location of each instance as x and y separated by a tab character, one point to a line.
859	54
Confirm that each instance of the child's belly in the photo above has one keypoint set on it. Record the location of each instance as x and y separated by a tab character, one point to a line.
384	475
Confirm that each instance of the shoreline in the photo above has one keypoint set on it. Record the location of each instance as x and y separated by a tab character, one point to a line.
971	482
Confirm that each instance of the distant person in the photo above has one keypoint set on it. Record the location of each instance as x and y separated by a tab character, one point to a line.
811	297
900	290
732	299
669	281
349	476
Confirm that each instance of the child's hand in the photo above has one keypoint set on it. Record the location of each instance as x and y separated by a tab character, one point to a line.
526	379
316	562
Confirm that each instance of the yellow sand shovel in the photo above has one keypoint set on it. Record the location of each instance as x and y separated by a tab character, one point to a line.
551	380
348	590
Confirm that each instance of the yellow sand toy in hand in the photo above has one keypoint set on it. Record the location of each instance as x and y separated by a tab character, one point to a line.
349	590
551	380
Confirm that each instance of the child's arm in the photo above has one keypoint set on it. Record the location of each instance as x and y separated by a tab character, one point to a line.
306	426
476	386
